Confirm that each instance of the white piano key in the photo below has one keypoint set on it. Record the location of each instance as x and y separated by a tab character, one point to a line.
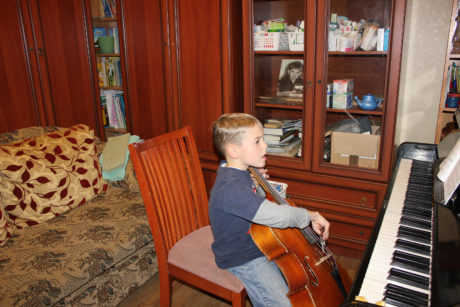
376	277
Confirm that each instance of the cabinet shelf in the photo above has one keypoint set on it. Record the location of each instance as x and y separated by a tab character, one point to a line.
104	22
358	53
357	110
334	53
118	88
279	106
103	55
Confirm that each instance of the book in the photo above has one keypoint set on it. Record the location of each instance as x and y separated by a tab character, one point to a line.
116	117
275	139
105	115
449	172
287	125
273	123
380	38
289	149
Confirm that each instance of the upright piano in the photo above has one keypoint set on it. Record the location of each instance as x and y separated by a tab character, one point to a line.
413	255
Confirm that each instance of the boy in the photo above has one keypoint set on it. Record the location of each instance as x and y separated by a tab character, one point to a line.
234	206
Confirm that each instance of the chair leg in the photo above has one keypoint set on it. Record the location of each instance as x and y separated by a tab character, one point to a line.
239	299
165	289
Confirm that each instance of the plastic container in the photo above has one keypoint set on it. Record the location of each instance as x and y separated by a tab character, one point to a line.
296	41
281	187
267	41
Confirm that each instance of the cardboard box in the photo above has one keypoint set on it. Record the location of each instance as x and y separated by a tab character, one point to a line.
343	86
354	149
342	101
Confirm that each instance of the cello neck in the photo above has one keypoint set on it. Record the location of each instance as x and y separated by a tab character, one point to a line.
268	188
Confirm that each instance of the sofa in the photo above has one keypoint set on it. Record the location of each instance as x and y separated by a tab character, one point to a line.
67	236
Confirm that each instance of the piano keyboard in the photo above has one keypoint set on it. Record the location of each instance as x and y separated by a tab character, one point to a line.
399	270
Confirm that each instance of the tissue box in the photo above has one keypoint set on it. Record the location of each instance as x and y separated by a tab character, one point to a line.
354	149
343	86
342	100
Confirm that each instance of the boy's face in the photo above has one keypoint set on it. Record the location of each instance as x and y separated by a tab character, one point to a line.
252	151
294	73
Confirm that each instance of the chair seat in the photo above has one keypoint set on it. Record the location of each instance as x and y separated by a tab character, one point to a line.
193	253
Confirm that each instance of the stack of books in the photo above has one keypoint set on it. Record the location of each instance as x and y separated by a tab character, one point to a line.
113	109
282	136
109	72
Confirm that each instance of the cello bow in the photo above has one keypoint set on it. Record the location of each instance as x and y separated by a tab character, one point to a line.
313	276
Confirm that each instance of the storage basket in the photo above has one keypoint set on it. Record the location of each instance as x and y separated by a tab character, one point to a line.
296	41
284	41
281	187
268	41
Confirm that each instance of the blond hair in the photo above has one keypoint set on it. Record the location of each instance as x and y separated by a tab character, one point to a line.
229	129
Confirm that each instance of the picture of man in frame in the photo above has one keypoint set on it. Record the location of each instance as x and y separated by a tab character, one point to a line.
291	80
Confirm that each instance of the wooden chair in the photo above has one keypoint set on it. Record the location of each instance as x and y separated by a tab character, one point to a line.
172	186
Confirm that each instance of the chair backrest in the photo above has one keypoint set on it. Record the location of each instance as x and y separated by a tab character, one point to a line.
170	178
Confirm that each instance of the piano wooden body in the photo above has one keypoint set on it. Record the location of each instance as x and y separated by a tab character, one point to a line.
413	255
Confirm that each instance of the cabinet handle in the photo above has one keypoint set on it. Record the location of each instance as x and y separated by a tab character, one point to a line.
319	81
360	233
31	49
41	51
309	83
363	200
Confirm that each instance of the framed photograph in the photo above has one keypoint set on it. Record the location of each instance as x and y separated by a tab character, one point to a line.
291	81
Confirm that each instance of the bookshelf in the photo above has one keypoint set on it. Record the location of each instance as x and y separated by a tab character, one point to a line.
336	180
446	119
109	68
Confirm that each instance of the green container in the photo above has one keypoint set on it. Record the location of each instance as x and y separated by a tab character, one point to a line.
105	44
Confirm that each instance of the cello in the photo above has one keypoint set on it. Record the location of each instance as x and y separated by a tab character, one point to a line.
313	276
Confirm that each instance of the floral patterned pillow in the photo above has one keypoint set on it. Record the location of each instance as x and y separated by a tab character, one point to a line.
48	175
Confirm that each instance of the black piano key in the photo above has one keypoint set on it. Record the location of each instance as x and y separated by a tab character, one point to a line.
399	300
407	278
425	215
407	292
414	234
409	221
413	247
418	203
411	262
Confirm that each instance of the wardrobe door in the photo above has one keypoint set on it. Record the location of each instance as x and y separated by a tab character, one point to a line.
18	106
63	59
144	64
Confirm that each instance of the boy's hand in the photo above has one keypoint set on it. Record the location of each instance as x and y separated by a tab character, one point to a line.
263	172
319	224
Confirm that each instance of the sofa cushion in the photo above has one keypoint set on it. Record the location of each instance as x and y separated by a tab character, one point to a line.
6	229
46	176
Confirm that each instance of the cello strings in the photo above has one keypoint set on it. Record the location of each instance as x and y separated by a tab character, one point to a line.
280	200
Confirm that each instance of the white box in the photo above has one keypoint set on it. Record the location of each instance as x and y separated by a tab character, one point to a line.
342	101
343	86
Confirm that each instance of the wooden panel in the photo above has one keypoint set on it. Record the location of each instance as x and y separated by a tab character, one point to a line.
64	54
144	61
200	67
17	101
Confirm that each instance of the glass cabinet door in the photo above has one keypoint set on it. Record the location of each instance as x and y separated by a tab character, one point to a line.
352	102
279	75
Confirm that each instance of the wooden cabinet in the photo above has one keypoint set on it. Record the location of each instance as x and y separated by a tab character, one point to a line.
203	75
349	195
46	73
446	119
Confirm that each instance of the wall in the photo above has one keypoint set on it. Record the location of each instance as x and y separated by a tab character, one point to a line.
425	41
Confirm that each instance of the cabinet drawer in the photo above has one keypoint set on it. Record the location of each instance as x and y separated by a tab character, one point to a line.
346	231
345	198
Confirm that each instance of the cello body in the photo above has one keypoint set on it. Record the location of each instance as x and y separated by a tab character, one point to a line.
310	270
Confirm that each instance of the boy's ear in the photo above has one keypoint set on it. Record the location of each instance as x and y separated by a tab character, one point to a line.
232	151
